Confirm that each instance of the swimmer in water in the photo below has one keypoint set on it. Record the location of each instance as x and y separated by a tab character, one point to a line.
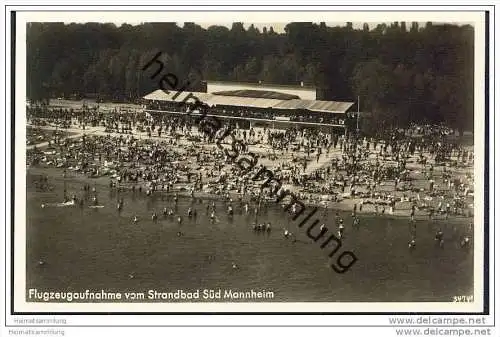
42	205
355	222
439	235
412	244
287	234
235	266
340	224
439	239
412	227
337	217
465	243
341	230
136	219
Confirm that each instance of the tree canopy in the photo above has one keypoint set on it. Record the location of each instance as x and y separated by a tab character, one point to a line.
415	74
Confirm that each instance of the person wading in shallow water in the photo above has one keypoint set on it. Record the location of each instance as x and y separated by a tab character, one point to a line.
439	238
120	205
412	244
341	228
465	242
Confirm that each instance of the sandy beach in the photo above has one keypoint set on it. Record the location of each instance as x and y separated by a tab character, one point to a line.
273	159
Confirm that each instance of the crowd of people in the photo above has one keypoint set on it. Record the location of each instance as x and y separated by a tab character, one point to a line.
36	135
246	112
417	172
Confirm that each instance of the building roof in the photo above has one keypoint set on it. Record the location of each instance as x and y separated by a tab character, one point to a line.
322	106
257	94
170	96
264	103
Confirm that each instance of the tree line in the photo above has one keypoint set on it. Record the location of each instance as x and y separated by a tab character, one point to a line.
402	72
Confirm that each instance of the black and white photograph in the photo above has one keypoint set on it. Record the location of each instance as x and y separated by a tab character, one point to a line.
184	161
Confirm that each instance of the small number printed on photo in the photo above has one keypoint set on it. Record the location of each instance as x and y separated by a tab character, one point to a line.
464	298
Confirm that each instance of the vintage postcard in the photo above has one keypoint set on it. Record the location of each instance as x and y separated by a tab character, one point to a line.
249	161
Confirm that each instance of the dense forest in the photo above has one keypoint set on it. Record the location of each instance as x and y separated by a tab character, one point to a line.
402	72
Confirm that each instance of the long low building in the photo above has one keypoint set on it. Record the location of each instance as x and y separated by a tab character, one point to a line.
256	107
